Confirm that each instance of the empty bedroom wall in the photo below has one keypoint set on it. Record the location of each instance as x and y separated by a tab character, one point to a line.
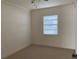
67	26
16	28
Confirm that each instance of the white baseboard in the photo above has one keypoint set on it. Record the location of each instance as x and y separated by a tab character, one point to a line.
16	50
53	46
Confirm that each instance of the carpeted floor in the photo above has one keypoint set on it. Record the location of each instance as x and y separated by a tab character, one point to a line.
42	52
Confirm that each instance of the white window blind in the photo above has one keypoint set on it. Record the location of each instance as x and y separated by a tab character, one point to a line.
50	25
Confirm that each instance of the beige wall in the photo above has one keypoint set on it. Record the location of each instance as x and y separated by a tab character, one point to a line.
15	28
67	27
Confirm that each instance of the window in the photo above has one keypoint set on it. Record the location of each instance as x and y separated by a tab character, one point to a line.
50	25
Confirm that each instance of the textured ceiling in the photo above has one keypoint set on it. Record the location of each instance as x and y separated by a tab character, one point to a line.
41	4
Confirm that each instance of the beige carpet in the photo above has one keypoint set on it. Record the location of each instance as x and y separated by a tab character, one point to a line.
42	52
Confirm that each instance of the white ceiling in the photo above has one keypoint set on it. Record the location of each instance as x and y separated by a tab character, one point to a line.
41	4
51	3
